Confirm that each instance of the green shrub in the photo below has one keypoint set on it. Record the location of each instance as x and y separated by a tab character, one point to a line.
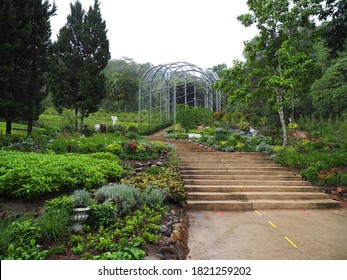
264	148
104	214
154	196
229	149
133	128
62	203
191	117
6	234
132	135
29	176
81	198
115	148
312	171
169	179
126	198
27	252
23	230
86	131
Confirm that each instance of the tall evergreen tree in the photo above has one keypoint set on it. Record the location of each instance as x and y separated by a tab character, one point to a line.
80	55
40	51
24	44
14	39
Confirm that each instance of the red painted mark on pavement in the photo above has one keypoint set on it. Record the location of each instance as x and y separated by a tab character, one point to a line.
220	213
306	213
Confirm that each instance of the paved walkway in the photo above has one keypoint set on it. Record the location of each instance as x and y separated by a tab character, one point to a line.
268	234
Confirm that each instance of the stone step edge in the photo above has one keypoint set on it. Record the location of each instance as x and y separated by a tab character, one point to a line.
237	196
238	182
246	189
233	176
262	204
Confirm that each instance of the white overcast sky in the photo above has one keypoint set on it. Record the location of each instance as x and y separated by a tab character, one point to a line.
205	33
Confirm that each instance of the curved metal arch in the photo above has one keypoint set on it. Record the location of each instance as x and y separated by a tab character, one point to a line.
161	87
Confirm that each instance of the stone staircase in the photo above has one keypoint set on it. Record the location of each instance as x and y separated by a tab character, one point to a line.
243	181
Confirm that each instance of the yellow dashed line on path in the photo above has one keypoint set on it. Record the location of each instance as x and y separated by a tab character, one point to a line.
260	214
272	224
291	242
286	238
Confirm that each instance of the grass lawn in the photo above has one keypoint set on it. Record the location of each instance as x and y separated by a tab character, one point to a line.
52	118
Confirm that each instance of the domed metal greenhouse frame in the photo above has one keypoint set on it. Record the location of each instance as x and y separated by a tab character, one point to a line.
165	86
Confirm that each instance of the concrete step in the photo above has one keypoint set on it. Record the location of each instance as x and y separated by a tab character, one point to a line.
223	205
268	177
243	181
244	189
256	195
206	166
184	172
216	182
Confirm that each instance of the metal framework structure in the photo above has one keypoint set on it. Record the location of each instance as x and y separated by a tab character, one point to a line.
164	86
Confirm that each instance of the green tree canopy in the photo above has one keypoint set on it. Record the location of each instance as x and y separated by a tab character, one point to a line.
279	56
25	49
122	89
335	31
329	93
81	54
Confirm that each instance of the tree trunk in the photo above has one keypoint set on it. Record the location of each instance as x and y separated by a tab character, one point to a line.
282	119
30	126
76	118
82	118
8	126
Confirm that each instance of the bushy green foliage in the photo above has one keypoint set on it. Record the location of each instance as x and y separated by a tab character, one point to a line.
29	252
23	230
82	198
154	196
315	166
122	239
62	203
328	133
30	176
329	92
265	148
126	198
104	214
151	130
115	148
191	117
168	179
18	239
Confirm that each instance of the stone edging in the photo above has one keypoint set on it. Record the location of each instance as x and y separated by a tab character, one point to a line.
174	245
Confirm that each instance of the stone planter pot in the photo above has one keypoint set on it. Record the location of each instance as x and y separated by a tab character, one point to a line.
79	216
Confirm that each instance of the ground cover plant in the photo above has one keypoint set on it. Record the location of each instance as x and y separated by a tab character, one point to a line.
318	150
109	234
31	175
162	178
65	120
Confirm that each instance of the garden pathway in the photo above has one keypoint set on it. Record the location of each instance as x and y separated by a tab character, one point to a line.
242	181
256	232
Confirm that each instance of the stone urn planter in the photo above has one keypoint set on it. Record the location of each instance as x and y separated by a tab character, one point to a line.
79	216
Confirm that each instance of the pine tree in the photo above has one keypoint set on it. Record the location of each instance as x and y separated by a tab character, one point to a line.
40	51
24	44
80	55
